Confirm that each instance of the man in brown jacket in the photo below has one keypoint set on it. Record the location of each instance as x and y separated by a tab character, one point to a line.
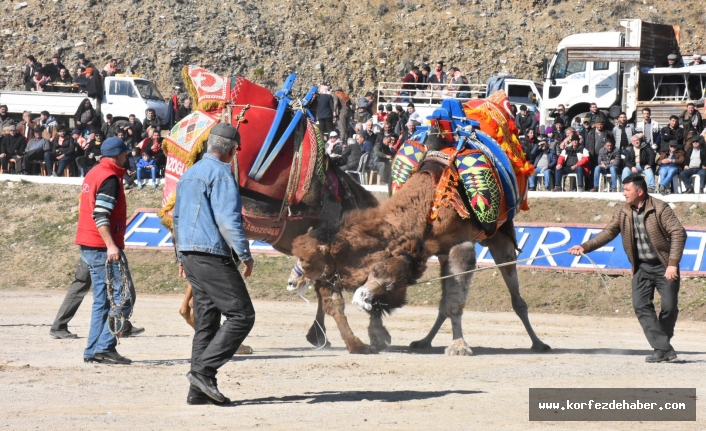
653	239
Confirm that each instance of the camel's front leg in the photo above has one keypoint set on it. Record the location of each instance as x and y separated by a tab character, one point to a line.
186	310
379	336
334	306
317	333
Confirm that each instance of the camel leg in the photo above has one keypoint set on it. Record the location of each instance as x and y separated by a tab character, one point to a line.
334	306
186	310
317	333
502	248
379	336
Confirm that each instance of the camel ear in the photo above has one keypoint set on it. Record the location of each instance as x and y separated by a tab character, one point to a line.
310	229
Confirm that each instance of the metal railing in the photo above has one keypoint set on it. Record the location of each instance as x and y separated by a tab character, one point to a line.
432	94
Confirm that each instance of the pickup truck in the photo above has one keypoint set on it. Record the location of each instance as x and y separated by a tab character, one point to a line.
122	96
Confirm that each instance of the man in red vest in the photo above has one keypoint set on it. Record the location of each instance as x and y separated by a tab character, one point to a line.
101	235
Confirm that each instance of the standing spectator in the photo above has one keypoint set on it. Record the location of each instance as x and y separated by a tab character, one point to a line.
409	84
39	80
131	170
108	128
353	152
403	118
671	132
86	117
574	159
81	80
384	155
324	110
47	121
594	114
623	132
35	149
62	150
648	129
545	160
691	119
342	112
94	87
381	114
26	126
559	130
101	234
84	63
640	159
133	130
5	119
525	120
365	108
92	151
694	164
12	147
560	112
436	79
596	139
151	121
392	116
32	66
111	68
653	239
184	110
208	210
609	162
55	67
529	141
669	164
412	114
146	166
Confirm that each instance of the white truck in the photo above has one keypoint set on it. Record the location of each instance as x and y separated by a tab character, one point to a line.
122	96
615	70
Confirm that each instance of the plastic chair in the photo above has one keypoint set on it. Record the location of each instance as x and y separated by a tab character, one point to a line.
563	181
360	172
695	181
604	182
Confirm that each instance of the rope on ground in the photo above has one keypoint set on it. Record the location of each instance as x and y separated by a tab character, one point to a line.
600	271
116	319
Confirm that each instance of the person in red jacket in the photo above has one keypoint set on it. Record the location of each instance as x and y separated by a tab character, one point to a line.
574	159
101	236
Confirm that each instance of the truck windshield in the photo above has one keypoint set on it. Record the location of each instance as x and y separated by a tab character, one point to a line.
148	90
562	68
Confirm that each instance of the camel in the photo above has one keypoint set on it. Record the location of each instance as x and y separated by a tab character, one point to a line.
378	251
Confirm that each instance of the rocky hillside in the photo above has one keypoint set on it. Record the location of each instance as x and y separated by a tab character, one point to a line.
349	44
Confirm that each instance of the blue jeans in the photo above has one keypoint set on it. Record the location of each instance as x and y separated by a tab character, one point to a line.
143	172
667	173
538	171
613	176
648	173
50	157
100	339
686	175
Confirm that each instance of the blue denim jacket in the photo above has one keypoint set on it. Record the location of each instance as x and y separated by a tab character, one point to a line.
208	211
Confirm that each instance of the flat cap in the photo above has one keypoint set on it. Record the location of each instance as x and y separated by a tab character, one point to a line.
225	130
672	57
113	147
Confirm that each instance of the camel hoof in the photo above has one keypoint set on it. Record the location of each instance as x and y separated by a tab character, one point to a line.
539	347
364	349
316	337
421	344
380	338
459	348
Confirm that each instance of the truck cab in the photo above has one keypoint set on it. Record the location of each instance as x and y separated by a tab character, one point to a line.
125	95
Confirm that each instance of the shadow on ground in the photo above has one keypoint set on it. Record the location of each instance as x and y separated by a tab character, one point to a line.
354	396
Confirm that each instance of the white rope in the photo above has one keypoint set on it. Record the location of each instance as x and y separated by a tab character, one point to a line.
600	270
317	324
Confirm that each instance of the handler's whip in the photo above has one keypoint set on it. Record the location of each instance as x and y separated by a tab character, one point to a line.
116	319
600	270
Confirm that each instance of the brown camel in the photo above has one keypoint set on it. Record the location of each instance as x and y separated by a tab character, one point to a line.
380	249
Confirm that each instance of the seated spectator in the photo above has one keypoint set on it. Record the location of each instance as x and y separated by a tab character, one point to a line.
26	125
544	163
85	116
525	120
529	141
369	131
670	162
133	131
131	168
147	166
577	124
386	131
63	78
551	138
39	80
62	151
36	146
55	67
91	150
671	132
5	119
184	110
151	121
639	159
694	164
399	126
407	133
28	76
333	141
610	161
153	145
81	80
559	130
108	127
84	62
412	114
47	121
111	68
691	119
353	152
365	108
574	159
384	152
381	115
12	147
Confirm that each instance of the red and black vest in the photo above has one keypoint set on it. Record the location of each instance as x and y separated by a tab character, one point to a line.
87	232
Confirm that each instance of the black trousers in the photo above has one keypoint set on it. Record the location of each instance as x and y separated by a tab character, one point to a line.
74	297
218	290
657	330
326	125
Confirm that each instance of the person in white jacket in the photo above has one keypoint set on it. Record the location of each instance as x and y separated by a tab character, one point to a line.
648	129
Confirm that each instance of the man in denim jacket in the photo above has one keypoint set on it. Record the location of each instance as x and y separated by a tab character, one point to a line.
207	226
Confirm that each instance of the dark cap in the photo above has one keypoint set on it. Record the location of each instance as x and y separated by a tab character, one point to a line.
672	57
38	129
82	56
673	143
225	130
559	120
575	137
113	147
75	132
600	119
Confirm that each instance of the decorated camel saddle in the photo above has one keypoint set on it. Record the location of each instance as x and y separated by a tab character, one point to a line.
281	164
472	153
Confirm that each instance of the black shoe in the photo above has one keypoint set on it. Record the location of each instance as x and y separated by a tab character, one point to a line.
91	360
661	356
533	189
689	192
112	357
196	397
131	331
62	334
207	386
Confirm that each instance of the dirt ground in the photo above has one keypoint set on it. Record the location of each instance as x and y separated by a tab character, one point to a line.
287	385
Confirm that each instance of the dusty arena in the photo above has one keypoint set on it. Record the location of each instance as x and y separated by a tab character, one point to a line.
286	384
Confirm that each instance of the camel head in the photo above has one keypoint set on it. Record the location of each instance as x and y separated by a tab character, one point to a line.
297	282
315	259
387	282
